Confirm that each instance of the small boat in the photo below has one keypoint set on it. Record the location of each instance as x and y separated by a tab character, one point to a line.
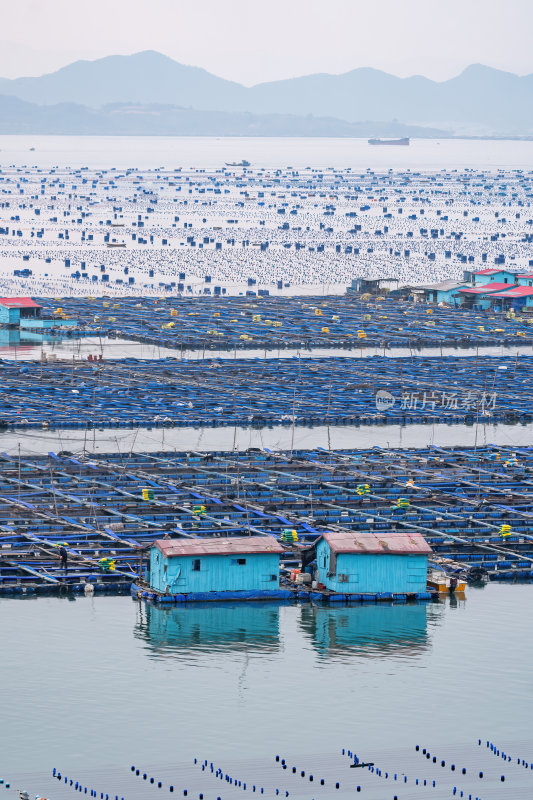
445	584
404	142
242	163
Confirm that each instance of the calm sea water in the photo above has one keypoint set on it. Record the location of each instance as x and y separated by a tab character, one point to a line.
93	681
279	437
146	152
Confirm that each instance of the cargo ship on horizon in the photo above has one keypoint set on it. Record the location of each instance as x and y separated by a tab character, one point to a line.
405	141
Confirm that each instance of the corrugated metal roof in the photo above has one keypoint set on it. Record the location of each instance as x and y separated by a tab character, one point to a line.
443	286
489	288
392	542
525	275
518	291
18	302
218	547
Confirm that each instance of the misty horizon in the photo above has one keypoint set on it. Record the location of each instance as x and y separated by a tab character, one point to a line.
253	43
246	84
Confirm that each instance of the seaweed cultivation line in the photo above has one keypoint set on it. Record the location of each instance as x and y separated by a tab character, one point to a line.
404	772
256	230
473	505
332	391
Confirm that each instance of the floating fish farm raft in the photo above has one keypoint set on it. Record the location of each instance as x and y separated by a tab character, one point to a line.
473	506
262	392
279	323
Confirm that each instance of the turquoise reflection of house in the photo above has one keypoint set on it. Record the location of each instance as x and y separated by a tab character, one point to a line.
353	562
196	567
210	626
376	630
15	337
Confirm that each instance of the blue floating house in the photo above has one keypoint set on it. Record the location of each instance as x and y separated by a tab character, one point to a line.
199	569
23	312
482	277
517	298
483	296
15	309
350	562
443	291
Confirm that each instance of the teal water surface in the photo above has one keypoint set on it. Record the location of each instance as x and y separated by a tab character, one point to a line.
107	680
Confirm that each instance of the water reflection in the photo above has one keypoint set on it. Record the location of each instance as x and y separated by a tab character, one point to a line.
372	631
17	344
208	627
20	345
278	437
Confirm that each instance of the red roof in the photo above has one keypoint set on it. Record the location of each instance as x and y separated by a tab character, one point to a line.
491	271
518	291
489	288
526	275
392	542
18	302
218	547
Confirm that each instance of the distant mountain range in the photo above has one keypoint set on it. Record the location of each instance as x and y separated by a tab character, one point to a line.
479	101
20	117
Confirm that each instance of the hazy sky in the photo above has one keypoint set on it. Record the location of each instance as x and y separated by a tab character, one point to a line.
258	40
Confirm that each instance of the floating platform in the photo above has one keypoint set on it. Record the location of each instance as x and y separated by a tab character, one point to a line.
293	594
134	393
277	323
459	499
144	592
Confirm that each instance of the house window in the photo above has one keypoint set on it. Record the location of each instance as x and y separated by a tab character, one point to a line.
505	280
196	565
165	569
324	561
240	561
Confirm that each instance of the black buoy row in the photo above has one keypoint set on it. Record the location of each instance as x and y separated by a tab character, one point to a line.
434	759
79	787
145	777
218	773
282	762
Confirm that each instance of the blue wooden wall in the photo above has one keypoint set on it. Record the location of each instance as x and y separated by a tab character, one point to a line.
9	316
217	573
372	573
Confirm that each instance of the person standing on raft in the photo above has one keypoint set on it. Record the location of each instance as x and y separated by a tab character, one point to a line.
63	555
